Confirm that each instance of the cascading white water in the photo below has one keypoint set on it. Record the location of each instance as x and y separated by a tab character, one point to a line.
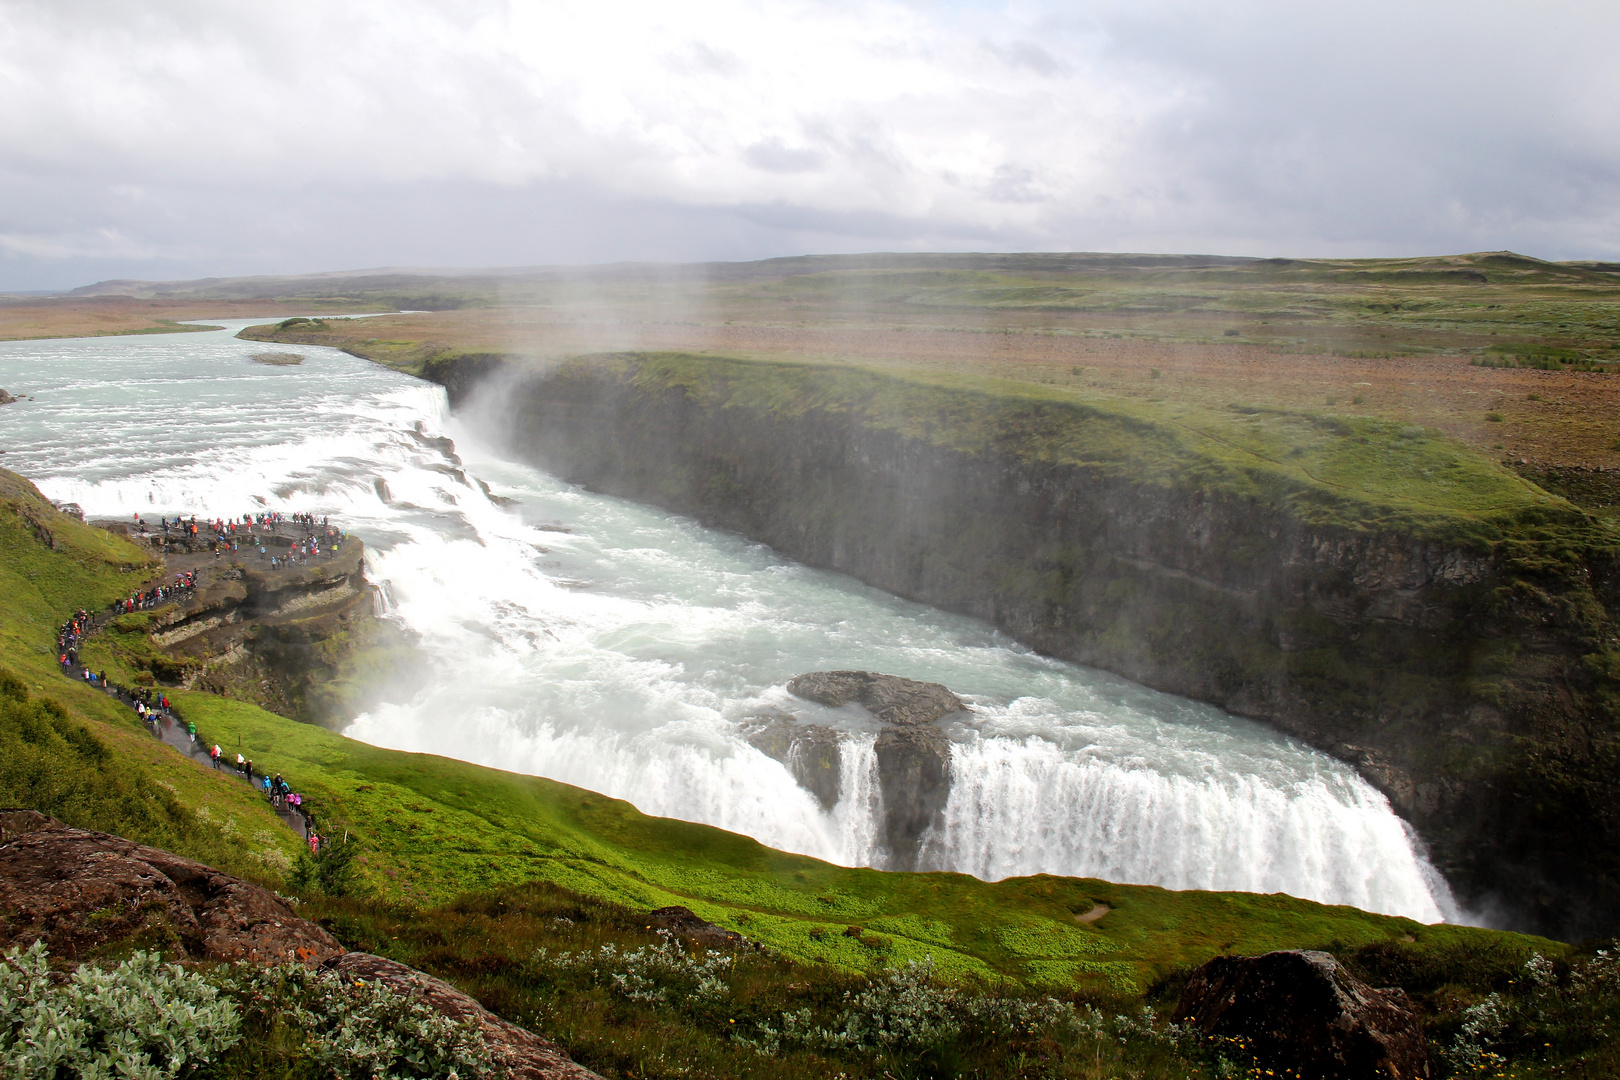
1024	806
622	649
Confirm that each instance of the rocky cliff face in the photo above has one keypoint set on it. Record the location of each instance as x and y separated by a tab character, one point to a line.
1472	677
300	640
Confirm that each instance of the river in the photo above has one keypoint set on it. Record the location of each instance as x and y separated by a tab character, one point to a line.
624	649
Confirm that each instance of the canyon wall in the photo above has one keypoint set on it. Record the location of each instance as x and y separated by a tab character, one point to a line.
1468	669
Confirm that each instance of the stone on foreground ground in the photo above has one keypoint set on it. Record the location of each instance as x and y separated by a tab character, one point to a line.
1300	1014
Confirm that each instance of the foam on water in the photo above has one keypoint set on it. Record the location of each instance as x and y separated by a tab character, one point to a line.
625	653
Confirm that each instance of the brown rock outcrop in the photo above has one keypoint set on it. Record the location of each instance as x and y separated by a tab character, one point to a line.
80	891
1301	1014
523	1054
686	924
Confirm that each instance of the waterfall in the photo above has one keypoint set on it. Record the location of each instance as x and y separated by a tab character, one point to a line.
1023	806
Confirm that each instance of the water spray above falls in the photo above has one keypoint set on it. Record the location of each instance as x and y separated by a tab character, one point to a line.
615	647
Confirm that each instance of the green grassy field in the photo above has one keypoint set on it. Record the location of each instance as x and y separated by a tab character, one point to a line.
1358	472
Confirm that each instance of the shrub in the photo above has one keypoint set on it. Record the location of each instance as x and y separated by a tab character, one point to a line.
651	973
329	872
1493	418
1570	1006
909	1011
142	1019
354	1030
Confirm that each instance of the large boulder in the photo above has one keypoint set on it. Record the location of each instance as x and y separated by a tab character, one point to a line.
1301	1014
687	925
523	1054
810	751
913	753
889	698
82	891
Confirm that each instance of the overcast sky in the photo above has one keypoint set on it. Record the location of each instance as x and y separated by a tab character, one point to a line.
182	138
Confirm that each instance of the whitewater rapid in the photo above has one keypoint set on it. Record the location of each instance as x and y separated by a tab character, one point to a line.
623	649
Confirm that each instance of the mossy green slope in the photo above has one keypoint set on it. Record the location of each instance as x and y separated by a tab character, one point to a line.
435	828
73	752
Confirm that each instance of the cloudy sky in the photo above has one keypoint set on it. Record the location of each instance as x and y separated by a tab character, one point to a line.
181	138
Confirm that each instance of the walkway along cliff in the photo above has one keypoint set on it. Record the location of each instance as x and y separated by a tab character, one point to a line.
1463	657
297	636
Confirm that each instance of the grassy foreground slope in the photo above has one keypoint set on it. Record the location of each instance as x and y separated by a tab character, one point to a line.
73	752
434	828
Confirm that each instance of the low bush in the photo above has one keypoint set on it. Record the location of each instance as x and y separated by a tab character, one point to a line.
142	1019
316	1024
147	1020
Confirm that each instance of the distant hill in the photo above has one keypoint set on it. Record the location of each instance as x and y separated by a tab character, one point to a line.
436	289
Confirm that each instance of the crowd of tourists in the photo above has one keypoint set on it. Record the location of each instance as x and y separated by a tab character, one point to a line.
155	597
68	636
311	536
156	711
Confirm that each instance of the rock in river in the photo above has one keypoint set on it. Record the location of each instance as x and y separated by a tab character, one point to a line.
913	754
889	698
810	751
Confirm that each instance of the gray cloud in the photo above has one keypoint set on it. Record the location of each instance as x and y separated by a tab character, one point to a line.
773	155
187	137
